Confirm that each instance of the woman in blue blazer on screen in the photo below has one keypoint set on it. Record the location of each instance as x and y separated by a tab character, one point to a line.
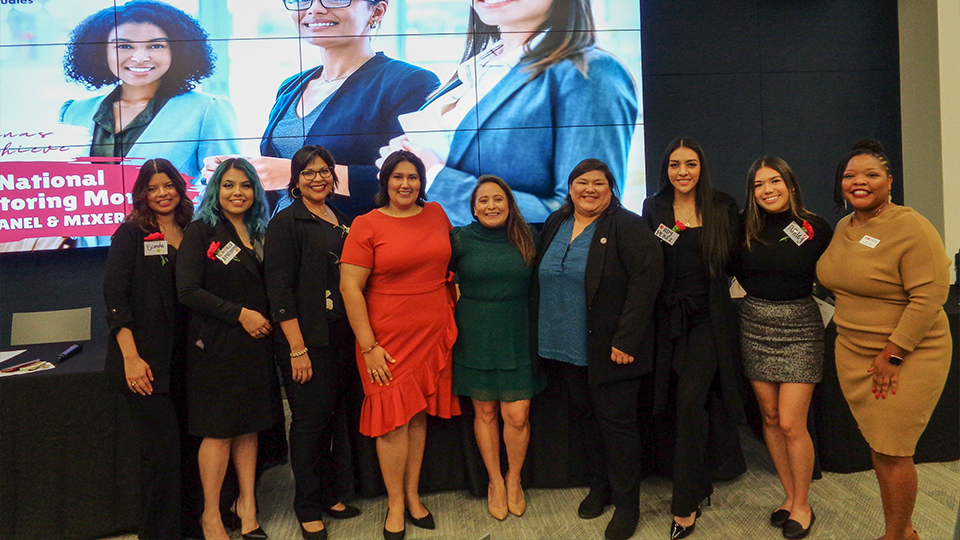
348	105
532	97
157	54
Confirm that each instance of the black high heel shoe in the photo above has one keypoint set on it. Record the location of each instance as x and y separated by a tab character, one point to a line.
678	531
392	535
426	522
316	535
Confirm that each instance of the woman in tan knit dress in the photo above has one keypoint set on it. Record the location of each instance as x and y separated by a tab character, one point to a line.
888	269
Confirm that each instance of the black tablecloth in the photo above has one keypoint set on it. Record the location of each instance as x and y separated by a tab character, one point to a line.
68	457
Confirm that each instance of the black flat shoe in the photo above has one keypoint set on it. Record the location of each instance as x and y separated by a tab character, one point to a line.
426	522
347	512
623	524
315	535
256	534
593	504
678	531
779	517
391	535
792	529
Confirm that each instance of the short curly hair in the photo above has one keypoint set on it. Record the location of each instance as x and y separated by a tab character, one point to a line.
193	59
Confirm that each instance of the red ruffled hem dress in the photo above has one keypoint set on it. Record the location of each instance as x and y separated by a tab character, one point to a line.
410	307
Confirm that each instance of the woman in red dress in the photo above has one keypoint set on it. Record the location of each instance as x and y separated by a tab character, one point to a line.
393	278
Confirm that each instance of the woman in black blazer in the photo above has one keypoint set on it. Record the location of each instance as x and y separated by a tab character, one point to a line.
232	389
315	349
596	282
146	353
697	339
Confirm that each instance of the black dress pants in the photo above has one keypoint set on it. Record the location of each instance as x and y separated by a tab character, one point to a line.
169	477
333	389
606	416
695	374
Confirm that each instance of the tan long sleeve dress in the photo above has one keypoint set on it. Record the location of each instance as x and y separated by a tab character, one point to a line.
892	292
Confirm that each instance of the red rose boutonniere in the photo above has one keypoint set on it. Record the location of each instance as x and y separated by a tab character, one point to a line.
213	249
679	227
153	237
808	228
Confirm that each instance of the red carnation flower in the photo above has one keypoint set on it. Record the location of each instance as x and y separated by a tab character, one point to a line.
680	226
808	228
153	236
212	250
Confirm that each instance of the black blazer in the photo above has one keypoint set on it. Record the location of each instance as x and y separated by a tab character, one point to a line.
215	293
623	275
658	209
141	295
295	263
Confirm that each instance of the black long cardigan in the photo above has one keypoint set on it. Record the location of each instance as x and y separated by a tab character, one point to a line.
658	209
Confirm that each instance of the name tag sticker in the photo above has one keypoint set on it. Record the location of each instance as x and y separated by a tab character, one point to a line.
154	248
869	241
228	252
796	233
666	234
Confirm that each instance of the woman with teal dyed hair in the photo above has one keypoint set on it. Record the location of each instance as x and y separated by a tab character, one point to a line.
232	392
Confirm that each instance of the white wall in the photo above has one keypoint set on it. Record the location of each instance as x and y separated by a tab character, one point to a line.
930	113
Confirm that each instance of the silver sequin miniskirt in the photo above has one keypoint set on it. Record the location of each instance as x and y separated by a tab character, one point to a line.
781	341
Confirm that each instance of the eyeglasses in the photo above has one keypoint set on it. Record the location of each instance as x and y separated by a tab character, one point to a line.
300	5
325	172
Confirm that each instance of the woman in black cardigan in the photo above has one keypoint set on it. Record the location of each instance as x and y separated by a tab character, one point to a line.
697	340
232	390
315	349
145	356
599	331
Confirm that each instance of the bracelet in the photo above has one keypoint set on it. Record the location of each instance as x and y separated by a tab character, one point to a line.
298	354
372	347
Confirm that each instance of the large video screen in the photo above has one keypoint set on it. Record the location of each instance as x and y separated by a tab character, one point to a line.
90	89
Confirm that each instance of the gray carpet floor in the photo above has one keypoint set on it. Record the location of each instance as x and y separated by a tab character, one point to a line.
847	508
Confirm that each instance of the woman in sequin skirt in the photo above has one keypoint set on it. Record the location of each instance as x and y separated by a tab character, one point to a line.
781	331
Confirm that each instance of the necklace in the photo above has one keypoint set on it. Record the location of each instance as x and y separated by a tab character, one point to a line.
386	210
121	106
325	80
685	220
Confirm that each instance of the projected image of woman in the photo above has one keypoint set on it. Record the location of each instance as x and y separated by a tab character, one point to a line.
348	105
155	54
532	97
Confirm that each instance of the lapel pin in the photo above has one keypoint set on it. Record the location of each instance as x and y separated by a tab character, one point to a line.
603	240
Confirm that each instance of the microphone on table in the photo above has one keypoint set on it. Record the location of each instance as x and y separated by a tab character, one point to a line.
72	350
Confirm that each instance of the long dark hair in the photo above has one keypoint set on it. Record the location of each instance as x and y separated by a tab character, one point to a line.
518	232
869	147
585	166
141	214
302	159
715	239
755	218
389	164
572	32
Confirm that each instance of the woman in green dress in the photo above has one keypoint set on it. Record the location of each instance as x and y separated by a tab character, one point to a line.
493	358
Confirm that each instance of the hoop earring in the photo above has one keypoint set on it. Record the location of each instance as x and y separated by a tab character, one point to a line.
295	192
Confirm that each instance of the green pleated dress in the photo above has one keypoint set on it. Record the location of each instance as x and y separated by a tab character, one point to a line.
492	359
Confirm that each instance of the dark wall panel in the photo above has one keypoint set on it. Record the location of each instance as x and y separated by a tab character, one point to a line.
832	35
801	79
684	37
810	120
722	112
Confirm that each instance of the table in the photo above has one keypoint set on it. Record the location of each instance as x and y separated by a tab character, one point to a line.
68	459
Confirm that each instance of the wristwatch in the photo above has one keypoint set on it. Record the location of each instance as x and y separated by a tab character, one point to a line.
895	360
